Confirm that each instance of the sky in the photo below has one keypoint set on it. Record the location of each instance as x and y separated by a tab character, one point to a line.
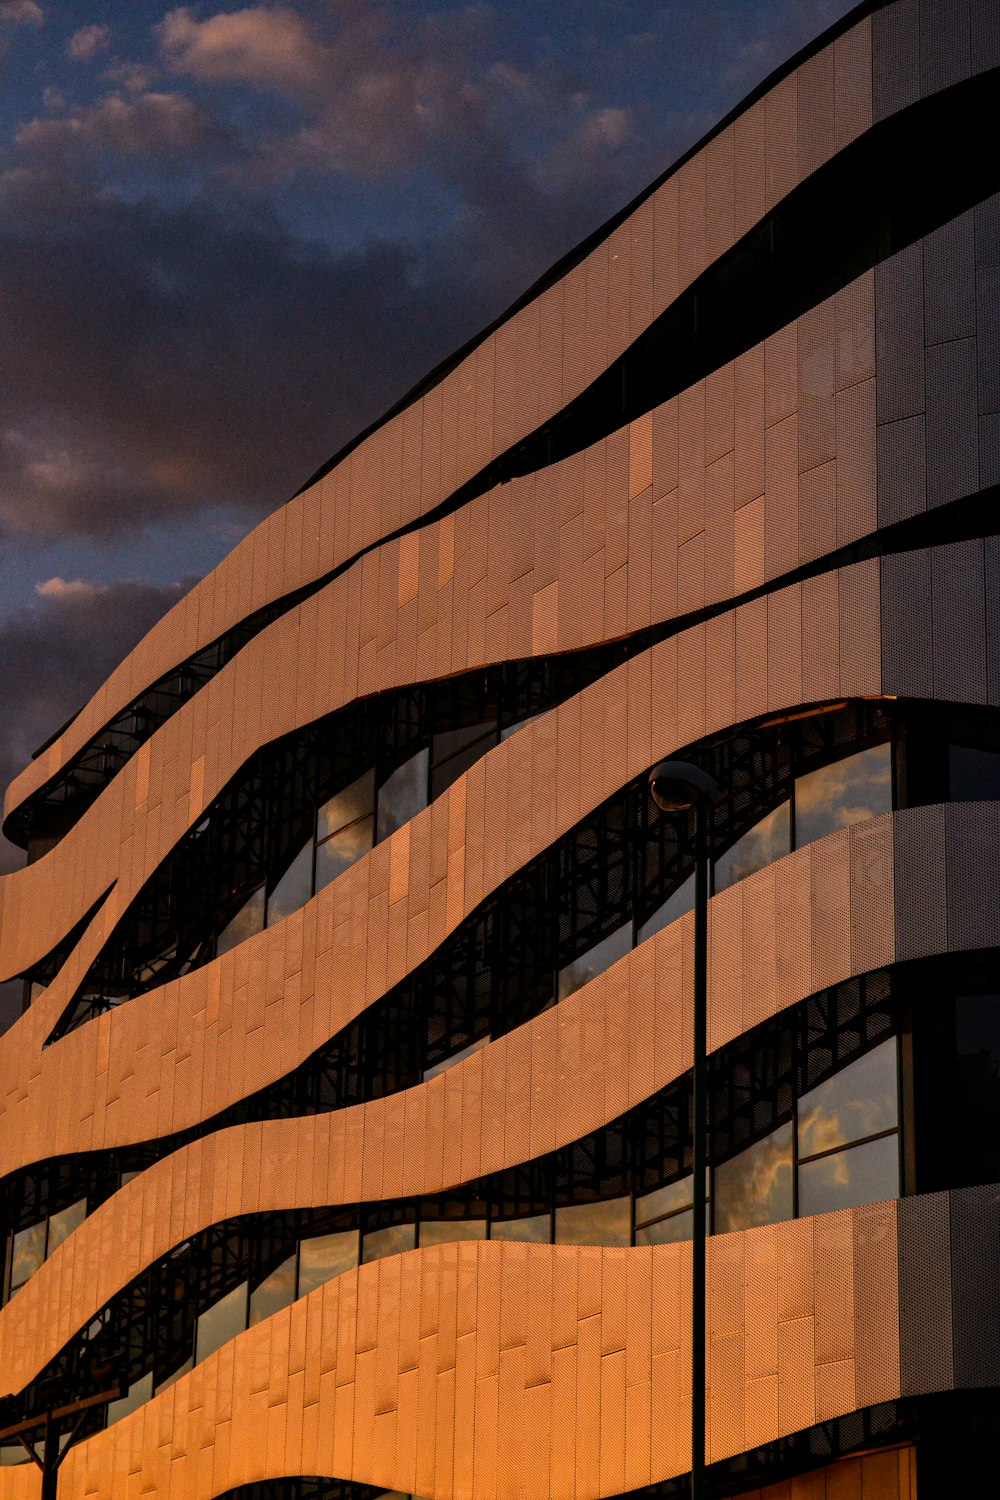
232	235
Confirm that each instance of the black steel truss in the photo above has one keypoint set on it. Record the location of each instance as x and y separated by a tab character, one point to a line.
150	1325
500	967
254	828
49	813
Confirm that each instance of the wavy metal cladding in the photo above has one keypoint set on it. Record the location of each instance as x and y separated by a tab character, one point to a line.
577	322
709	532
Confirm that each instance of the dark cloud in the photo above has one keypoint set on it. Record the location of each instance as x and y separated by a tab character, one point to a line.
150	125
87	42
21	13
175	344
272	221
57	651
161	359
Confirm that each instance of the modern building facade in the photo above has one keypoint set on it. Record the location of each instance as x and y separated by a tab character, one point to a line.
345	1137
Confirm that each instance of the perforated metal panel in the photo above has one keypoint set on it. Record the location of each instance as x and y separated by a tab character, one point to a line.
895	57
925	1295
975	1261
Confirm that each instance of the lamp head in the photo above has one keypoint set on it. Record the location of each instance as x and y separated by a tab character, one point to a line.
676	785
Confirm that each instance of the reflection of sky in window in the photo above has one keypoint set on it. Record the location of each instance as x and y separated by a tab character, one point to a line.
62	1224
536	1229
137	1395
756	1186
607	1223
174	1375
761	845
29	1252
456	1057
664	1200
447	1231
860	1100
248	920
668	1231
293	889
341	851
389	1241
276	1291
846	792
403	794
596	959
676	904
505	734
449	742
448	771
221	1322
354	802
861	1174
325	1256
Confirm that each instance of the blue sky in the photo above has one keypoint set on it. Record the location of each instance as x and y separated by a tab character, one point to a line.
231	235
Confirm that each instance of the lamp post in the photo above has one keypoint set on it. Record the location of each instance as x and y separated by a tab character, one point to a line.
679	786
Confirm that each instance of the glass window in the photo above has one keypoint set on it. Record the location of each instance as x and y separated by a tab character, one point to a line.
664	1200
973	774
450	742
669	1231
756	1186
402	795
761	845
277	1290
510	729
175	1374
845	792
221	1322
248	920
354	802
456	1057
392	1240
665	1215
977	1032
446	1231
28	1254
325	1256
341	850
62	1224
860	1174
293	889
456	750
536	1229
959	1092
857	1102
596	959
676	904
607	1223
137	1395
11	1005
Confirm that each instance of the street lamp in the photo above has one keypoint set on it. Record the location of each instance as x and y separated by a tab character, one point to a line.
679	786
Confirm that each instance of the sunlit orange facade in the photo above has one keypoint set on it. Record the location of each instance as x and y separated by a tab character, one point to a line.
345	1137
